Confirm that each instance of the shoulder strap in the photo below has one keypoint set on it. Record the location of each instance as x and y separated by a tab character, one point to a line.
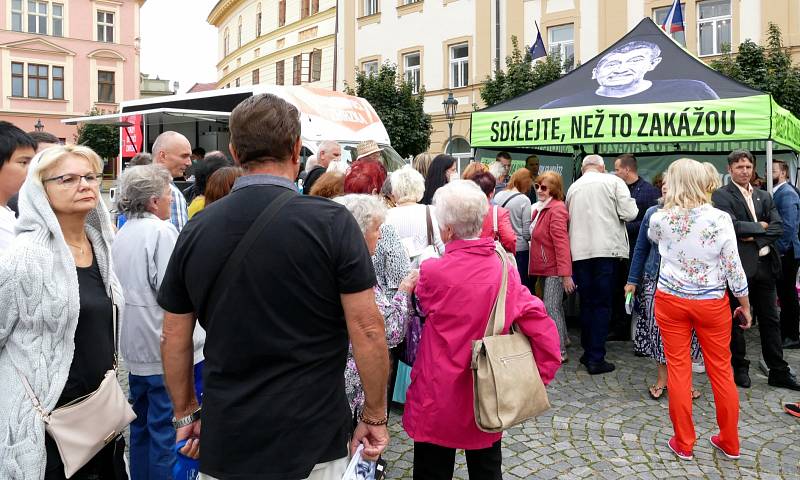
509	199
429	224
497	319
244	245
494	221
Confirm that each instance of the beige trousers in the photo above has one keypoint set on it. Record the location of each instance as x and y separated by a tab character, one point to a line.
332	470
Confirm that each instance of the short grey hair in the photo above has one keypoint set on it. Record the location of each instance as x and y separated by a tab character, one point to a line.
593	160
137	185
408	185
327	146
462	205
163	140
498	170
367	209
311	162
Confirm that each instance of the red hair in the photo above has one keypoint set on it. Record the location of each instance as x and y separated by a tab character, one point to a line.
365	176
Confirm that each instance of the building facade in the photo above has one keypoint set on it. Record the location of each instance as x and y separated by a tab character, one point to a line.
156	87
63	58
278	42
448	46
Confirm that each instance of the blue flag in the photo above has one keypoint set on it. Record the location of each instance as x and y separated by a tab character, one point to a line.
537	49
673	22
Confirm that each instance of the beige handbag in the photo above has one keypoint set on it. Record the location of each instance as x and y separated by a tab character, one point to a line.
83	427
506	385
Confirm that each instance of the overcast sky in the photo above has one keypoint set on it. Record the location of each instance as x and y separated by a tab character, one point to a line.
177	42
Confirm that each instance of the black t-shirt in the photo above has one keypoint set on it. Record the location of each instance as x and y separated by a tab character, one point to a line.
312	177
274	403
678	90
94	337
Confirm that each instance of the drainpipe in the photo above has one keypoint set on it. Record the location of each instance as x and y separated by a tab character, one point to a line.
336	47
497	35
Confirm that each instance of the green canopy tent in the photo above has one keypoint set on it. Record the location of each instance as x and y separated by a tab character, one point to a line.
645	95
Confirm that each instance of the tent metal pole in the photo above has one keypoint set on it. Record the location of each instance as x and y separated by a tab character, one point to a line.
769	166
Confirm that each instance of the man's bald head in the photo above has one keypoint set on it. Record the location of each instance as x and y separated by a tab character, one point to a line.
172	150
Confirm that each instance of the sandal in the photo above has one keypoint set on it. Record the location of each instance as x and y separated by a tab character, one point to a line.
657	392
696	393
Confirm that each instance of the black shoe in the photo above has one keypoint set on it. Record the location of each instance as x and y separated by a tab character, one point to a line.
583	359
789	344
784	381
742	378
600	368
617	337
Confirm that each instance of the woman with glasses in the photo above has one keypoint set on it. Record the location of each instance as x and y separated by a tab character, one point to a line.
550	256
58	292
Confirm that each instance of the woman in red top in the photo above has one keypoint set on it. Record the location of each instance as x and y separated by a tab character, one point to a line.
549	254
497	222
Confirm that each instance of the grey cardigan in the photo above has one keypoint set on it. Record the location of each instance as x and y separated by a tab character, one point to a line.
519	211
39	307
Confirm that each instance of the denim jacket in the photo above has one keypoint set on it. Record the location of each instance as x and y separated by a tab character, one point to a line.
646	258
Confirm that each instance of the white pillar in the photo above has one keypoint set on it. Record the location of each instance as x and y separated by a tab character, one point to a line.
769	166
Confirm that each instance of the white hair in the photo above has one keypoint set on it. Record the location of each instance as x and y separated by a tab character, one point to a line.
462	205
367	209
338	166
593	161
311	163
498	170
137	185
327	146
163	140
408	185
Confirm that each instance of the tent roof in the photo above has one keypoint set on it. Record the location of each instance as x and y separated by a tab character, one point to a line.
678	76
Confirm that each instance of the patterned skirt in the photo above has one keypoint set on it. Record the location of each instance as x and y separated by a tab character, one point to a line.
647	337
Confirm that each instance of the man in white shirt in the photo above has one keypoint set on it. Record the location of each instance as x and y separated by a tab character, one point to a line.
599	205
173	150
16	151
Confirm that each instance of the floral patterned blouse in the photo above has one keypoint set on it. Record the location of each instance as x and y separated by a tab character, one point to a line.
698	253
395	317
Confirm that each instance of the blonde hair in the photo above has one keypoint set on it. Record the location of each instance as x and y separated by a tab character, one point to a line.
687	181
422	163
713	181
52	156
472	169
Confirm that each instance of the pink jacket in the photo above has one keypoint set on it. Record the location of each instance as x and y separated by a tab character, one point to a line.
505	231
457	292
549	254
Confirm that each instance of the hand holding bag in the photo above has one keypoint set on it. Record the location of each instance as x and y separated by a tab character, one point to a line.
83	427
507	387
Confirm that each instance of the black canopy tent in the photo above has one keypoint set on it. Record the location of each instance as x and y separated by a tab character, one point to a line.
646	95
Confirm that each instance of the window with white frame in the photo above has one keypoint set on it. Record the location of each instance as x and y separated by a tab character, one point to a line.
16	15
562	42
370	68
58	20
226	42
714	27
459	65
370	7
239	34
411	70
105	26
37	17
660	15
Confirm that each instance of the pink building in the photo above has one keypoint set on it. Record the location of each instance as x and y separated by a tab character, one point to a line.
61	58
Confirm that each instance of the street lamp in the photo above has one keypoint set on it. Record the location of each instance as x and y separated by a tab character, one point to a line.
450	105
39	125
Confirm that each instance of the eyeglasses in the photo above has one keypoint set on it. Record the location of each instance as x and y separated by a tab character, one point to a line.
72	180
540	186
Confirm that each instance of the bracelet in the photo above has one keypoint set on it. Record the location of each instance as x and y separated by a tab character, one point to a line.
374	423
187	420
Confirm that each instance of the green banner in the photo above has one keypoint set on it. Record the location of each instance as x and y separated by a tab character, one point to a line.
745	118
785	127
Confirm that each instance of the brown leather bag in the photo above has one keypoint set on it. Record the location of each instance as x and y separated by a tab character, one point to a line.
507	387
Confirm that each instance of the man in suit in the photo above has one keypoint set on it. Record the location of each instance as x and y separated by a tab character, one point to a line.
787	202
758	227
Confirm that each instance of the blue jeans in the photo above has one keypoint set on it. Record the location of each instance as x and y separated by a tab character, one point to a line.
152	435
595	280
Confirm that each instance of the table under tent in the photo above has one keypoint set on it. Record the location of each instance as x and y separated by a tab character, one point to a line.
644	95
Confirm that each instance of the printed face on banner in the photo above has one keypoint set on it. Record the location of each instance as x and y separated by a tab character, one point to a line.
621	73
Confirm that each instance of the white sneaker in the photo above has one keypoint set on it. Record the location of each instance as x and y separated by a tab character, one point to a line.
699	367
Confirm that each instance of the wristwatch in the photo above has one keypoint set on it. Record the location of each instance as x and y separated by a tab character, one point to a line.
187	420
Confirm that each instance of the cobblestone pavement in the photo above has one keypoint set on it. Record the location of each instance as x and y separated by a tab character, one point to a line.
607	427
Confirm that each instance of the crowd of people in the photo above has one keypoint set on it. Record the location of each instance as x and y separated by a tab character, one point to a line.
285	306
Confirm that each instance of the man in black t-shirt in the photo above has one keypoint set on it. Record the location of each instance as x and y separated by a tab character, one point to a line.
274	403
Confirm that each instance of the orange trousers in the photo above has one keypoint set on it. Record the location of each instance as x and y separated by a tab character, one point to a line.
711	320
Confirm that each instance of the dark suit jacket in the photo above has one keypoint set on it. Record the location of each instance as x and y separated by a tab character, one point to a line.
730	199
787	202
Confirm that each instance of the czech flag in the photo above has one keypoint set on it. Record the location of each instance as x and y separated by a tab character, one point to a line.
674	21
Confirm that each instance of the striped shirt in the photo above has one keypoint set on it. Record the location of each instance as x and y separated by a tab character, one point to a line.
179	213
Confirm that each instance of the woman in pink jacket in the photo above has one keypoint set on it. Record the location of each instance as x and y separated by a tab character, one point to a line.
550	257
457	292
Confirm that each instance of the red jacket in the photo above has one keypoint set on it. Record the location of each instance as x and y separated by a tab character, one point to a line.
457	293
505	232
550	255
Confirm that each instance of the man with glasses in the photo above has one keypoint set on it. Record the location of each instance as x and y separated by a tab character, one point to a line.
173	151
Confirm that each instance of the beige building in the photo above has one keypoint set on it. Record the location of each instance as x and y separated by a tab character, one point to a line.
277	42
453	45
155	87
